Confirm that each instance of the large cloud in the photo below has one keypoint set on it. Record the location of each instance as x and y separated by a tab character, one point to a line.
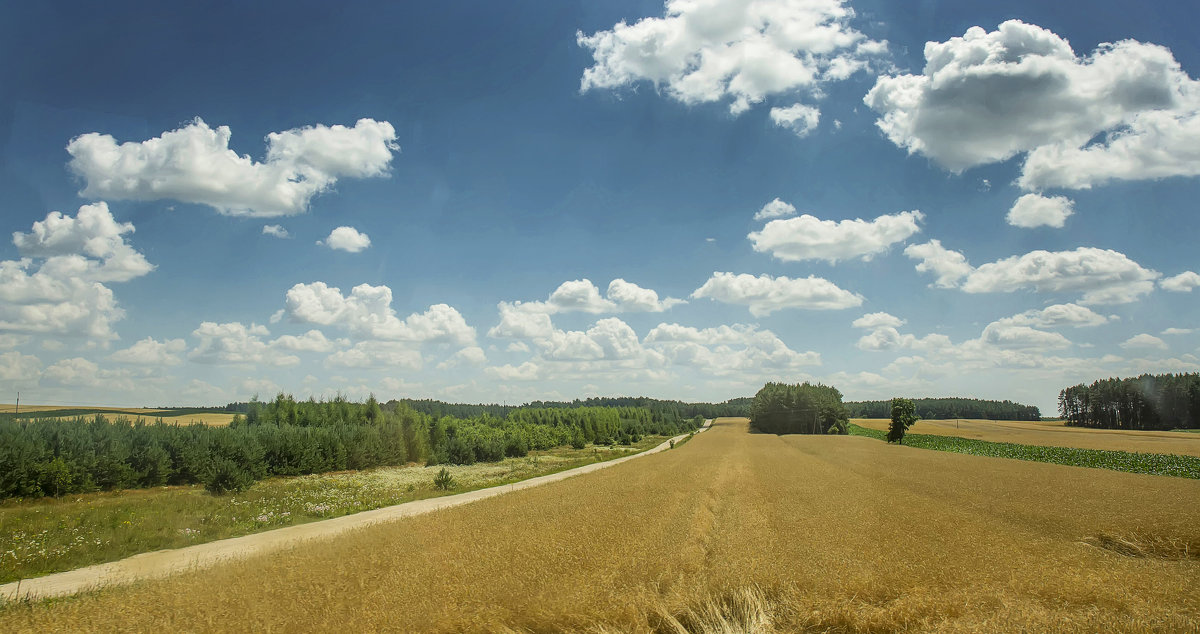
740	50
739	349
195	164
584	296
367	312
810	238
150	351
236	343
66	293
765	294
1102	276
989	96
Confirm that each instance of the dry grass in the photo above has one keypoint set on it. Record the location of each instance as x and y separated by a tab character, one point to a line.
1052	434
732	532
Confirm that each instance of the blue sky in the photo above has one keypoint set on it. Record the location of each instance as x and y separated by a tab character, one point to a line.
521	201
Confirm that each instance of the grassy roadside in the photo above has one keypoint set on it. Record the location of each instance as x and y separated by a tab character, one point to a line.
1131	462
49	535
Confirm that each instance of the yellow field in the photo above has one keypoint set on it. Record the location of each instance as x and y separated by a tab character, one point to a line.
10	407
1052	434
794	533
217	419
149	415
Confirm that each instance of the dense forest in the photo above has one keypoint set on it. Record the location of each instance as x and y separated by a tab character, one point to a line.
943	408
1150	401
805	408
288	437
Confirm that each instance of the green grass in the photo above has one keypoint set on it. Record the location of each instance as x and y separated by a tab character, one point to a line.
46	535
1131	462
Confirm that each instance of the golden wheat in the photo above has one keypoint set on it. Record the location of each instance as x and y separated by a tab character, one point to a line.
731	532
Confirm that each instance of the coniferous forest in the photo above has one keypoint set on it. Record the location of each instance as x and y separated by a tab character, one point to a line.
943	408
288	437
1149	401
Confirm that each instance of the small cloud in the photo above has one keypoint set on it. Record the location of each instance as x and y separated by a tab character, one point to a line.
774	209
1182	283
985	185
276	230
1144	342
1178	331
346	239
1035	210
710	239
798	118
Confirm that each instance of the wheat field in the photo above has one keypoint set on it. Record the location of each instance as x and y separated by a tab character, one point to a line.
1052	434
147	415
747	532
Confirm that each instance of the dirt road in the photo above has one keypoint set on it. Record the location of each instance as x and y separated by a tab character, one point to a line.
163	563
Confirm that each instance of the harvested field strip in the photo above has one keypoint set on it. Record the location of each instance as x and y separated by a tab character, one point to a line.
788	534
1145	463
1052	434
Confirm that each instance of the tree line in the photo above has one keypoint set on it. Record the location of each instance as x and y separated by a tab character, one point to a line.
943	408
288	437
1149	401
803	408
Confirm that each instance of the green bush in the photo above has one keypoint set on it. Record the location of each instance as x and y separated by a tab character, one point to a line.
227	476
443	480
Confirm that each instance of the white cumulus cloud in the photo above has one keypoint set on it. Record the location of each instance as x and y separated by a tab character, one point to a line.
19	368
810	238
765	294
798	118
948	265
367	313
878	320
775	209
236	343
1182	283
737	50
1035	210
990	95
1102	276
1144	342
65	292
346	239
150	351
194	164
275	230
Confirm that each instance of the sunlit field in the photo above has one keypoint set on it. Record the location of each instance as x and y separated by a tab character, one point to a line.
767	533
46	535
144	414
1052	434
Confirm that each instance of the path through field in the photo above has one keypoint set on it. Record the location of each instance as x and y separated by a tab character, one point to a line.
164	563
801	532
1052	434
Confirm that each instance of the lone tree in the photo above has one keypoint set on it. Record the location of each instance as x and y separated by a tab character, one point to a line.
904	414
